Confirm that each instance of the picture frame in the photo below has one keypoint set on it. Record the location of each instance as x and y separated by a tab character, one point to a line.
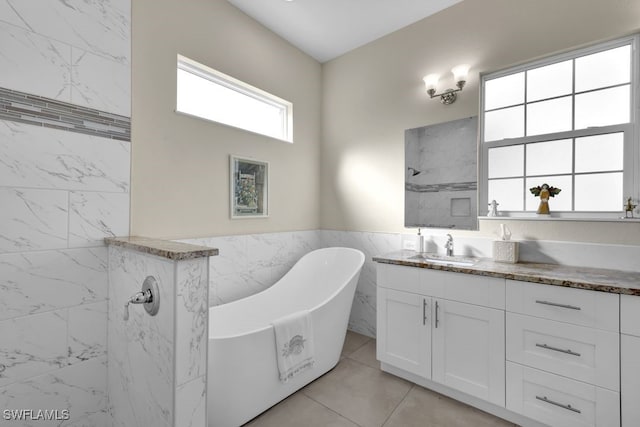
249	192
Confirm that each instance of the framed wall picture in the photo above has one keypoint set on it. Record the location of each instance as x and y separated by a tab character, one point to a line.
249	188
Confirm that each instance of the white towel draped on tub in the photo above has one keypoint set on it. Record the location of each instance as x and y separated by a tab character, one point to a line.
294	344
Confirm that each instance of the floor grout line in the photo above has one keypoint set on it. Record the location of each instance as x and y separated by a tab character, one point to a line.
332	410
398	405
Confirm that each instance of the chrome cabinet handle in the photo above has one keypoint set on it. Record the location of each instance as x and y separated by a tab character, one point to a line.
555	304
548	347
567	407
424	311
437	319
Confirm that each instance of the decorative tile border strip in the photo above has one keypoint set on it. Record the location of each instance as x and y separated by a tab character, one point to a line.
40	111
435	188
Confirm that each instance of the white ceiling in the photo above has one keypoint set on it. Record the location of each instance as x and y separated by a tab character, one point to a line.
326	29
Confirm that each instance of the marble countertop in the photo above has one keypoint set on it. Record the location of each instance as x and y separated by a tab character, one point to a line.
612	281
163	248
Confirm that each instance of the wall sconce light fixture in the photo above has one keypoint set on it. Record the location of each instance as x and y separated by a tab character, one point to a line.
449	96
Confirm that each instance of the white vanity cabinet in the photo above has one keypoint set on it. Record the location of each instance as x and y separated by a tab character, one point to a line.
563	355
447	327
534	354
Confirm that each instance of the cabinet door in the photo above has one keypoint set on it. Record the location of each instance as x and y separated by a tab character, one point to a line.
630	380
469	349
404	331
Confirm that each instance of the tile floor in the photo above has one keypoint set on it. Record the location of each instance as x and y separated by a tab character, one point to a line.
357	393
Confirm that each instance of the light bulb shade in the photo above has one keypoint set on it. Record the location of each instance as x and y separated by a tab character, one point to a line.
431	81
460	72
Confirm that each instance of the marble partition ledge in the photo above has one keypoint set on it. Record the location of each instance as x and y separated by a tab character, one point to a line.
168	249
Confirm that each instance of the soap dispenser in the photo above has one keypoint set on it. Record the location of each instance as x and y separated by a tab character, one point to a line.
420	242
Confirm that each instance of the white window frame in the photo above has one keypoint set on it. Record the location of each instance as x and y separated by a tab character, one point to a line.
631	173
234	84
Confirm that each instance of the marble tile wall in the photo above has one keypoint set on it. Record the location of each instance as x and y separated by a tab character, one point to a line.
61	192
250	263
73	51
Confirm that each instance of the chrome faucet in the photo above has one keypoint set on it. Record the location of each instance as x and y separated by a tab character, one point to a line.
449	245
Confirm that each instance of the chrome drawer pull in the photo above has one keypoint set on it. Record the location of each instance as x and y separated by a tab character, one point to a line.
568	407
548	347
437	320
424	311
555	304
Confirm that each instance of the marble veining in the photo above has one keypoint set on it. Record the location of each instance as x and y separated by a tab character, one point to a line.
100	83
101	27
80	388
162	248
33	219
92	216
33	345
38	157
35	282
192	318
87	335
613	281
34	64
191	403
141	349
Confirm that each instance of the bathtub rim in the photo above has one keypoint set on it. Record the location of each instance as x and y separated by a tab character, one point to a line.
267	326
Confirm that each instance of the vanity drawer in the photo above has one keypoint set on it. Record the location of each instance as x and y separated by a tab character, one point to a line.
578	352
470	288
473	289
578	306
559	401
406	279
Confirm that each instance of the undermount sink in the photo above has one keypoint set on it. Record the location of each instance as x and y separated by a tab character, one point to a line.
446	260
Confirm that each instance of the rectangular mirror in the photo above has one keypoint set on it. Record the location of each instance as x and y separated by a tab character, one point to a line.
441	178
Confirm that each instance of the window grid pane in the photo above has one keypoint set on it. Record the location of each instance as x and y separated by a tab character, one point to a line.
585	165
504	96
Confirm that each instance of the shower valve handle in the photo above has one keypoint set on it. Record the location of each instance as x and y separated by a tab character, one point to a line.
149	296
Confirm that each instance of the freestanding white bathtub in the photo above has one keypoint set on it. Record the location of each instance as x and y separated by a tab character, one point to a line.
243	372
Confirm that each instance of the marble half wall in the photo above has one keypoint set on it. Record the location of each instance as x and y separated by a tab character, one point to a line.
157	364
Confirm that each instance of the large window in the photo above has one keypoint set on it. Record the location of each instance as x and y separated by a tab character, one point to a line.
209	94
567	121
